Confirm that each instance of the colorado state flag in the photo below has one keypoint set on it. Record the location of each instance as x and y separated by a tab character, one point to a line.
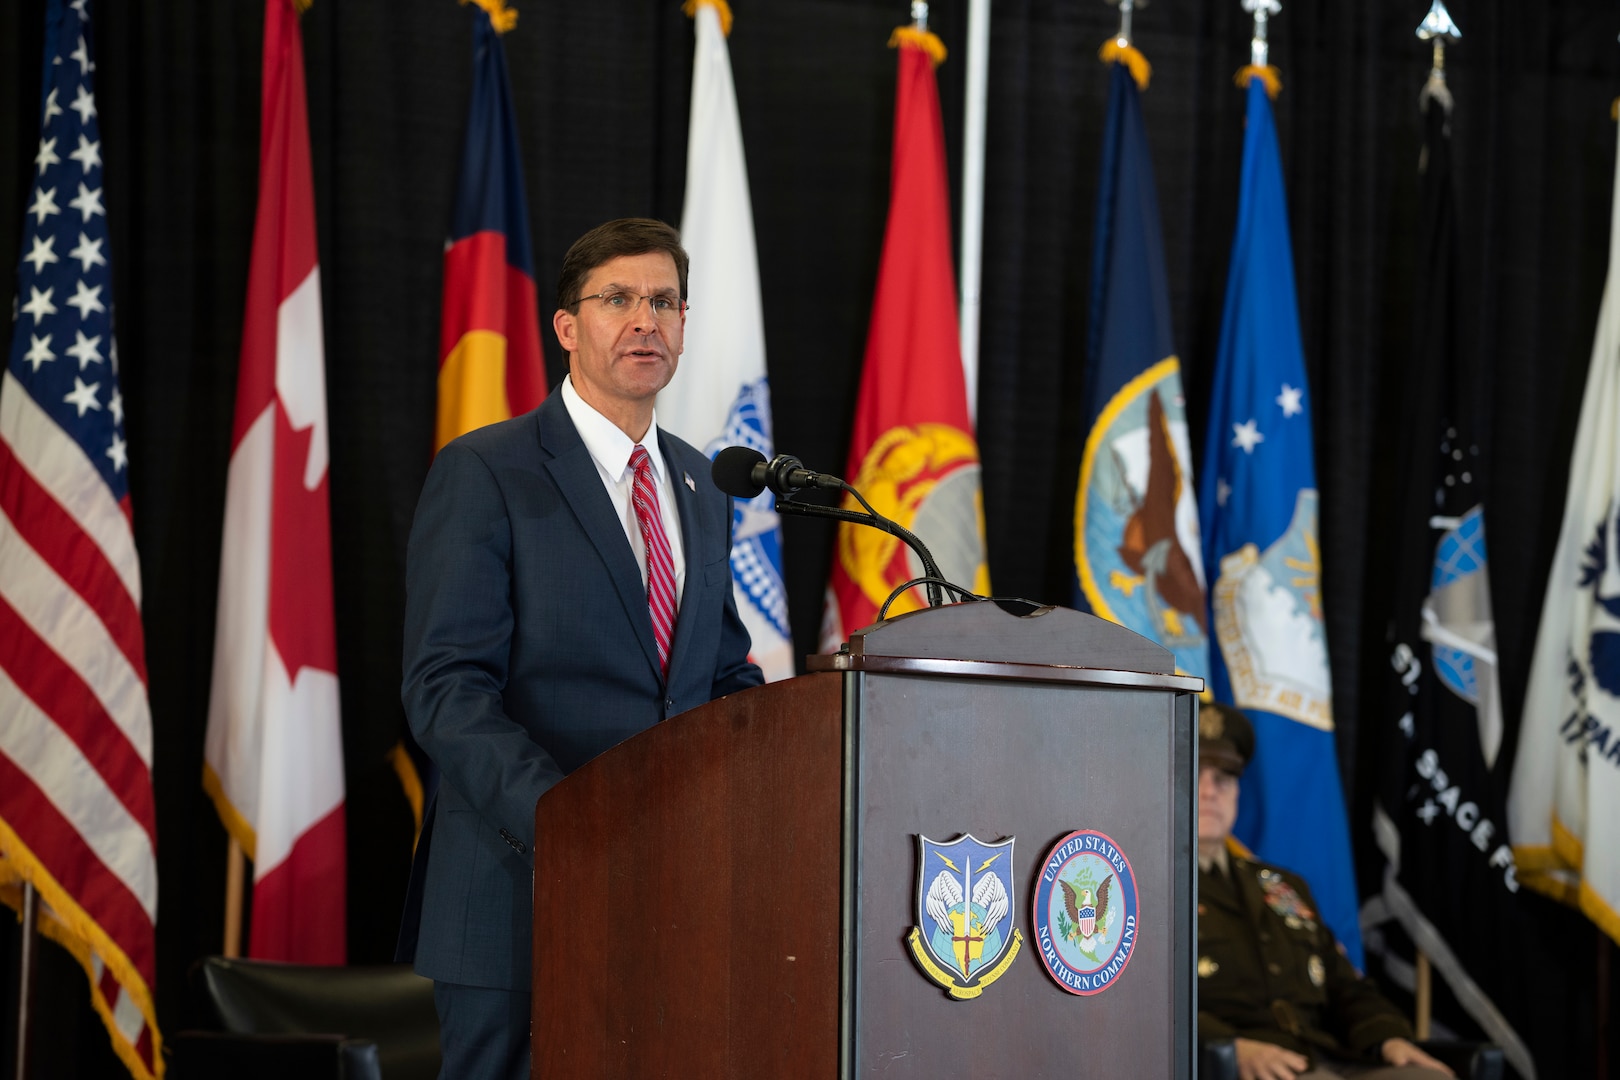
1258	504
1137	557
490	365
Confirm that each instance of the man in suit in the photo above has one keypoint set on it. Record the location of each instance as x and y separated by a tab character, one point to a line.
1270	974
567	586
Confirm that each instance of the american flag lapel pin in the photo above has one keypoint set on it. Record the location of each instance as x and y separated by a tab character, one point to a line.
690	483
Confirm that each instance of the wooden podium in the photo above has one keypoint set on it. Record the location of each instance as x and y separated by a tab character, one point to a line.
729	894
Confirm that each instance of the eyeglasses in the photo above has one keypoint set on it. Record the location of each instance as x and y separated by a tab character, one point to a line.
623	304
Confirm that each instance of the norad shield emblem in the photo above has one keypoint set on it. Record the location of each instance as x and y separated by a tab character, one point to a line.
964	939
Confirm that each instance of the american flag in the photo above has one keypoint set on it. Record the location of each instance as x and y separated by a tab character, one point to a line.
76	811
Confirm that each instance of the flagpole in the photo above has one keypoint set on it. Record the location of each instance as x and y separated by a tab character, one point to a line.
1438	29
1604	947
978	83
25	973
232	947
1126	9
1423	1004
1262	10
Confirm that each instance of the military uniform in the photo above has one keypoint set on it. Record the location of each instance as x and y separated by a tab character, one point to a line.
1268	969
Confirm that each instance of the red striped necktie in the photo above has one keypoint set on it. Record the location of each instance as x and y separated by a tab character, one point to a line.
660	562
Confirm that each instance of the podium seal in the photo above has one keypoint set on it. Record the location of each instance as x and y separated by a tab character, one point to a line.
964	939
1085	912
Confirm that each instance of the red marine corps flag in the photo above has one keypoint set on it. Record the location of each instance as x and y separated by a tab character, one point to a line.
76	813
912	453
274	757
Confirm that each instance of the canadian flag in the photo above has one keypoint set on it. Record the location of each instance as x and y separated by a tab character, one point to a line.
274	755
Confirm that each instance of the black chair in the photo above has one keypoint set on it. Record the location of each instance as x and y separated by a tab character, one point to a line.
1473	1061
266	1019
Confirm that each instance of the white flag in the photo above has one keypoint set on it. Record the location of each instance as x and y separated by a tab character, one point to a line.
1564	803
719	396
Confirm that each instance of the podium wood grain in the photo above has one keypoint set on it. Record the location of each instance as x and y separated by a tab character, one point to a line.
669	958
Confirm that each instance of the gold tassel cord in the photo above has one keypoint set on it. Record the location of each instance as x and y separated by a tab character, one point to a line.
721	8
1266	74
1115	51
501	17
925	40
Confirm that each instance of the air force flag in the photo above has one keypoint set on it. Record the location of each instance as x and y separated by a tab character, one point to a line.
1258	507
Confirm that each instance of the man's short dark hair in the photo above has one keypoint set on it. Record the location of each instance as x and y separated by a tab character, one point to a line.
626	236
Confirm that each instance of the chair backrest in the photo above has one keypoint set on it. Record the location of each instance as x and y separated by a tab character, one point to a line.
388	1004
209	1055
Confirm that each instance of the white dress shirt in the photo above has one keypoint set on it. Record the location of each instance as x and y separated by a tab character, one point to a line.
610	448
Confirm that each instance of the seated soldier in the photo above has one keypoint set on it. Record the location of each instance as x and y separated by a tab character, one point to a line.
1270	975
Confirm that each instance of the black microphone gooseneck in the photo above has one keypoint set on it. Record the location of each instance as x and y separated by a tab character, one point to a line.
742	472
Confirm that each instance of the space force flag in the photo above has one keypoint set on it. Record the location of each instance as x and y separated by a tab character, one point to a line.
721	397
1137	555
77	820
1564	800
912	451
1439	819
490	364
273	760
1258	507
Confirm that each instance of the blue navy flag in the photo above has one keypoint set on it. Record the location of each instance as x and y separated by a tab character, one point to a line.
1137	557
1258	505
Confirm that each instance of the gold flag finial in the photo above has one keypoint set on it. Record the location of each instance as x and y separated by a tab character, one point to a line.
1259	65
1121	49
918	36
721	8
501	17
1265	73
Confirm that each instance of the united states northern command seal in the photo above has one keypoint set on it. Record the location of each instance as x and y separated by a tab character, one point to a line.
1085	912
964	939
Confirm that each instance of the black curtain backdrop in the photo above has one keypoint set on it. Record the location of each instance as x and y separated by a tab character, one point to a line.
602	93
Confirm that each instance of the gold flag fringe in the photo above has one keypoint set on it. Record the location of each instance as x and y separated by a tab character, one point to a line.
70	926
1116	51
301	6
501	17
926	40
1614	110
721	8
1266	74
411	783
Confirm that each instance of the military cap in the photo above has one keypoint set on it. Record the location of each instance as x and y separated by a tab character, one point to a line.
1225	737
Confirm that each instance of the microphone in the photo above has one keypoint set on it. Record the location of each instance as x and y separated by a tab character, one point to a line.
742	472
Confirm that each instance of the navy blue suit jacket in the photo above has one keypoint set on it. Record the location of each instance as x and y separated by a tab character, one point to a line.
528	651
